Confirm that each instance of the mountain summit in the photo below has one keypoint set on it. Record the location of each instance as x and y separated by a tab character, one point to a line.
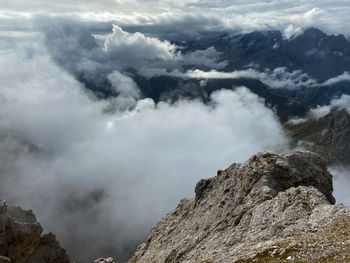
272	208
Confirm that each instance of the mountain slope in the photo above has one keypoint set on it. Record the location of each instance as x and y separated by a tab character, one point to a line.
268	209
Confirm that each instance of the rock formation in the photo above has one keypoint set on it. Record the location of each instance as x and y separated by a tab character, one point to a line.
104	260
21	240
272	208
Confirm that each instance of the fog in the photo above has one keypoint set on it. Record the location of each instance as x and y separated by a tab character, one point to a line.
100	179
341	181
99	171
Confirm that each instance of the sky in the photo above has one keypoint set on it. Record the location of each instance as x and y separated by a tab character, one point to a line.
115	166
289	16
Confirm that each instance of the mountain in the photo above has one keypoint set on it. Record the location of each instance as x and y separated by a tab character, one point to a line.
319	55
272	208
313	52
170	88
21	240
329	136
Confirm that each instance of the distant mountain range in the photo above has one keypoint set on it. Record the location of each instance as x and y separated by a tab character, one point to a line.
315	57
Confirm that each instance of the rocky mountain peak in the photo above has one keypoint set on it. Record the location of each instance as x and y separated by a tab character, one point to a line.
245	210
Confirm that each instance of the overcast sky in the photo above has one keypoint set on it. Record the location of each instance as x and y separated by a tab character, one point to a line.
286	15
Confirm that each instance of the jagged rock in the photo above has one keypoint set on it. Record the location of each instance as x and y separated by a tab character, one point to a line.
21	240
20	233
249	210
104	260
48	251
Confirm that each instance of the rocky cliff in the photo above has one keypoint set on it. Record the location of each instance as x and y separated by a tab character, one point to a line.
21	240
272	208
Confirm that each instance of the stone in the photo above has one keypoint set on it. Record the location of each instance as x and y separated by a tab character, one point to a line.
247	210
104	260
20	233
21	240
48	250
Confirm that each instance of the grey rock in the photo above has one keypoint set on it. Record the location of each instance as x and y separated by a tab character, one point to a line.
20	233
104	260
48	251
21	240
246	209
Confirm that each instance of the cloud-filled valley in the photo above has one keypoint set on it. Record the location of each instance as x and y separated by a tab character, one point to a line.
119	169
85	148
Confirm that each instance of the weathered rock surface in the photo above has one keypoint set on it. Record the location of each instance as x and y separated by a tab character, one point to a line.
271	208
104	260
21	240
48	251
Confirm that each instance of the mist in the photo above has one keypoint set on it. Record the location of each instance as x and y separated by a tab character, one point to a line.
100	171
99	179
341	181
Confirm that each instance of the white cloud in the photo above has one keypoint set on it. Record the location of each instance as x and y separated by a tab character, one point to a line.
320	111
292	31
278	78
343	77
341	181
115	173
343	102
208	57
123	46
289	16
339	103
127	91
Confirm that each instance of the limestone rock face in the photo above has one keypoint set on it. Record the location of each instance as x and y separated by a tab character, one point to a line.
21	240
247	210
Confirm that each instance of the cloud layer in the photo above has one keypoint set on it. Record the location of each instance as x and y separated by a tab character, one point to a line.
114	173
290	16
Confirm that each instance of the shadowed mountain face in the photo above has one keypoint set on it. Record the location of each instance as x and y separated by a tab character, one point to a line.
315	53
169	88
328	136
319	55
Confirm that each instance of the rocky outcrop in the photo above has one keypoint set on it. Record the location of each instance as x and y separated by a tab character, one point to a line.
104	260
21	240
48	251
272	208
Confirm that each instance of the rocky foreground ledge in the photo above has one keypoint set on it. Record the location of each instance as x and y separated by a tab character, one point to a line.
272	208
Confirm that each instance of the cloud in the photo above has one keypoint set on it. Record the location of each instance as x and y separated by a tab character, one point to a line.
278	78
124	46
343	77
342	102
341	181
126	89
289	16
208	58
114	173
